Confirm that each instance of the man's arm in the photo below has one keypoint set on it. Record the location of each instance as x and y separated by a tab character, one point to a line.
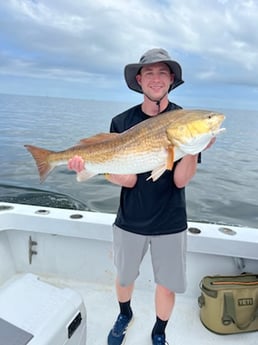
186	168
128	181
77	164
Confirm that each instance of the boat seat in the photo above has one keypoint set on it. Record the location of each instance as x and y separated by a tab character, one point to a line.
35	312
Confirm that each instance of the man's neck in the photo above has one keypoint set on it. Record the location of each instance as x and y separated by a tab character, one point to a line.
154	108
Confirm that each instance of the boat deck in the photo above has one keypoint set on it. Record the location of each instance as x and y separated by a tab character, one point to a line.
74	249
184	327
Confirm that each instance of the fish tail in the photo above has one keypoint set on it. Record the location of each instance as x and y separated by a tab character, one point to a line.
41	157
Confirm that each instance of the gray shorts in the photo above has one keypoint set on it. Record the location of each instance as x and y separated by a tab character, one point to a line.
168	256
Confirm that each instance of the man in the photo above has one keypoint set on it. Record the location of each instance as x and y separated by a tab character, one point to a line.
151	214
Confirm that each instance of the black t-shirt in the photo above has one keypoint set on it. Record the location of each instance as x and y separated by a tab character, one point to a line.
149	208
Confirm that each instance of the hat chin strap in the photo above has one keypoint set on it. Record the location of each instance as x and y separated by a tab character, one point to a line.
156	101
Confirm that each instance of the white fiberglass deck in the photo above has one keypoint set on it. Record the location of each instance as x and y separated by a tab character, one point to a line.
74	249
183	328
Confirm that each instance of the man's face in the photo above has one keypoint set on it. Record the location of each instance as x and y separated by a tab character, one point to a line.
155	80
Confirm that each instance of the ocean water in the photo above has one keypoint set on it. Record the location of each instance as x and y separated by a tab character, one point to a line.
224	189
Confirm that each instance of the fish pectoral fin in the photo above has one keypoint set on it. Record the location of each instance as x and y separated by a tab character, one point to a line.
84	175
97	138
170	158
157	172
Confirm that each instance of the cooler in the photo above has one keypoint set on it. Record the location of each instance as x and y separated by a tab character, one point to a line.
34	312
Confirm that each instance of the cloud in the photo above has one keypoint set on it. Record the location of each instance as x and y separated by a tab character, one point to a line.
91	41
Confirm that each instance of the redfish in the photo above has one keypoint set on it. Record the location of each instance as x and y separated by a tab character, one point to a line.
152	145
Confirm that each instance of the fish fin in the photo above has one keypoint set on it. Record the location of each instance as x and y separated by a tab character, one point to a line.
84	175
157	172
171	156
41	158
97	138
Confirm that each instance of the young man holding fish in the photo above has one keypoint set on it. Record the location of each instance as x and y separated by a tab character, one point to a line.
151	214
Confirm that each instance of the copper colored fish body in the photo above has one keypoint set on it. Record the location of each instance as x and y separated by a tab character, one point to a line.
152	145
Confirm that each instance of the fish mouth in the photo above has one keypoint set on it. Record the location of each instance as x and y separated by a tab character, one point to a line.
218	131
216	121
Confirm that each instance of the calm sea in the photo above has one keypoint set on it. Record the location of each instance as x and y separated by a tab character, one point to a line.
224	189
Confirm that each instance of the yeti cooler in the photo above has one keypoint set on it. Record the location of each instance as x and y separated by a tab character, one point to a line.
34	312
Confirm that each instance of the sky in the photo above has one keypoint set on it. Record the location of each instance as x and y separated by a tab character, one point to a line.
78	48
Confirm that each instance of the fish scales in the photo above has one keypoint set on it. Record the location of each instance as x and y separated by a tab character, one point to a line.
152	145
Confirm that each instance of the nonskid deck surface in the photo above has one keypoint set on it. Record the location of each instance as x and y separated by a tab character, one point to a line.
184	327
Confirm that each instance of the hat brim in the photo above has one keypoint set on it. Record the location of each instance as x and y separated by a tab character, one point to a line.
133	69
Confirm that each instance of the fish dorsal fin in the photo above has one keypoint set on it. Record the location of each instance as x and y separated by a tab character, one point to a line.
97	138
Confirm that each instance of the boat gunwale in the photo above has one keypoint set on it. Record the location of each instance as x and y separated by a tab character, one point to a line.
209	238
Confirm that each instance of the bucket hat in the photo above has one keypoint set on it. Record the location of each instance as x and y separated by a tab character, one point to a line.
152	56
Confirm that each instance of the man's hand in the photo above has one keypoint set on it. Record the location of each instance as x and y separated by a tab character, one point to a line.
212	141
76	163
